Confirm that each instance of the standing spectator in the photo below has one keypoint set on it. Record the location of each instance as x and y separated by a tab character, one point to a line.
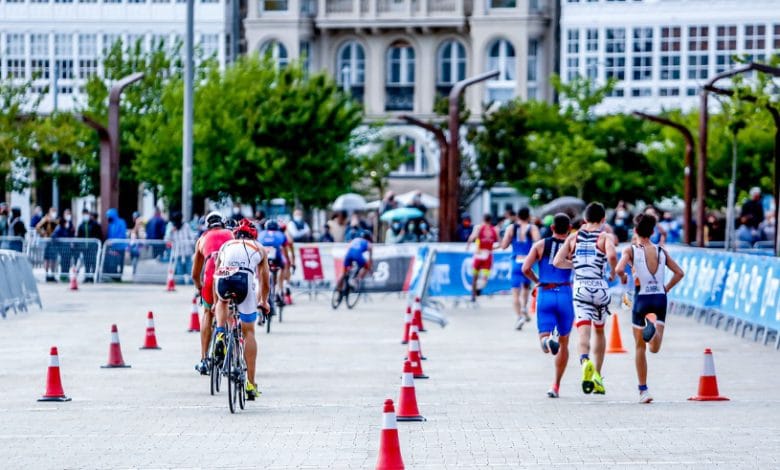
464	228
621	221
326	237
752	210
672	227
766	228
182	242
355	228
114	263
4	226
155	230
36	217
136	235
338	226
89	228
714	230
395	233
746	235
298	229
45	228
17	229
237	215
388	203
64	249
417	229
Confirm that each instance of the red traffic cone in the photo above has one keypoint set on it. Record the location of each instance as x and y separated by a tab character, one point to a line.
708	382
74	282
151	338
389	448
413	329
54	390
194	317
414	356
417	317
171	285
407	401
407	322
114	352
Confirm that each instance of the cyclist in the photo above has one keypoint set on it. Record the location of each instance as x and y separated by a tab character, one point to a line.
206	249
356	251
245	254
486	237
277	247
289	265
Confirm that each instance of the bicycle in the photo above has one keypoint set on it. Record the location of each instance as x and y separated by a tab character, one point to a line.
347	290
234	364
275	300
214	366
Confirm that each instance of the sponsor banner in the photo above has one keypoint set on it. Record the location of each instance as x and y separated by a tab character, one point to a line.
453	272
311	262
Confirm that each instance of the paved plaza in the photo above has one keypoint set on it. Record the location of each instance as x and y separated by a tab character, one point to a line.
324	377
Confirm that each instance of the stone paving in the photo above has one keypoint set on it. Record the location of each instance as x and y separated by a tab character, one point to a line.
324	377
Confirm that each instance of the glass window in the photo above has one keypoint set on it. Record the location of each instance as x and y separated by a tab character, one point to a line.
87	55
399	80
109	40
592	67
698	52
451	59
614	57
276	51
351	65
63	55
136	40
209	45
755	42
592	40
501	57
417	157
643	54
15	60
776	37
533	69
39	55
670	53
572	51
725	47
503	3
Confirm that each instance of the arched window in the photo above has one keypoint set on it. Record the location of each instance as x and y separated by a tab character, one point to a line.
417	163
399	83
276	51
450	66
501	57
351	68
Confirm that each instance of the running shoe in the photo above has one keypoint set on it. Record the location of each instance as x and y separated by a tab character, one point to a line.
553	392
588	369
644	397
549	345
251	391
519	323
598	384
203	367
648	331
219	347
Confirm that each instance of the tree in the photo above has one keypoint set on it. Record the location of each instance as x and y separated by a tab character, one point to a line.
377	165
18	132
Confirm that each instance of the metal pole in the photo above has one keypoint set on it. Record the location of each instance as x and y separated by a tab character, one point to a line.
731	242
55	187
186	175
701	168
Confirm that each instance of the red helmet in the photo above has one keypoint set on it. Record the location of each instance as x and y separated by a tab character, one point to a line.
246	229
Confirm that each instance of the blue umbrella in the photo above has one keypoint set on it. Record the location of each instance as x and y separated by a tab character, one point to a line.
402	213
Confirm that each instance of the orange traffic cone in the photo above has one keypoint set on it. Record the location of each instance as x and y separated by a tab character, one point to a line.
194	317
54	390
389	448
417	318
708	382
74	282
171	287
407	323
151	338
114	351
407	401
414	356
615	343
413	329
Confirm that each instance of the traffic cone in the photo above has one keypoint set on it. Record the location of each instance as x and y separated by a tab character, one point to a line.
414	356
171	287
417	316
407	401
151	338
194	317
615	343
74	283
407	323
54	390
114	352
708	382
413	329
389	448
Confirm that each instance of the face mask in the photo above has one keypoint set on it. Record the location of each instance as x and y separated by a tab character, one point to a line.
236	210
297	218
396	227
621	214
68	217
53	215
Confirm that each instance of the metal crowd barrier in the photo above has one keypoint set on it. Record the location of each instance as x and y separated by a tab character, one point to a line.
52	259
145	261
18	288
12	243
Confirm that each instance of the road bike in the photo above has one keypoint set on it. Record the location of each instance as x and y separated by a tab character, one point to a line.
234	364
349	288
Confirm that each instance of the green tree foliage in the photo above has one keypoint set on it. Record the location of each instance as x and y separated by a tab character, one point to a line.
377	165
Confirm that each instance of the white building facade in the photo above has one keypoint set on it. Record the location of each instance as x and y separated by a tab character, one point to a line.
662	51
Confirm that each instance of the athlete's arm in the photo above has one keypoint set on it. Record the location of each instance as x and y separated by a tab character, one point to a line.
197	265
609	249
677	272
530	261
562	259
662	238
624	260
263	275
508	234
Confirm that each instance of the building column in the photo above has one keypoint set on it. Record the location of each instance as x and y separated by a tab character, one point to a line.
425	76
521	64
375	76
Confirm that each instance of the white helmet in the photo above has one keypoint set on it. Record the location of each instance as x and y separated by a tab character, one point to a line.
215	219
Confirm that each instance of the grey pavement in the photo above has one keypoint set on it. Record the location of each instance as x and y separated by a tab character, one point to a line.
324	377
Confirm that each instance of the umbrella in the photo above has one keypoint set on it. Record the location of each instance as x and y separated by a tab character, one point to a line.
402	213
568	204
428	201
349	202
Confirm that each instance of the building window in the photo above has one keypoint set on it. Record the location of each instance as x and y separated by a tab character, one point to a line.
351	69
592	40
776	38
15	59
503	3
501	57
725	47
755	42
136	42
273	5
698	52
109	40
669	92
451	66
39	56
209	45
670	53
615	53
305	54
641	92
533	69
417	157
572	54
276	51
643	54
399	86
87	55
160	41
63	56
616	93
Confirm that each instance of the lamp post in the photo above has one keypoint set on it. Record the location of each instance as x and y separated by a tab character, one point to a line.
186	175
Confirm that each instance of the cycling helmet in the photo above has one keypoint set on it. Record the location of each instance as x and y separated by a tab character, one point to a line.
367	235
214	219
245	229
230	224
272	226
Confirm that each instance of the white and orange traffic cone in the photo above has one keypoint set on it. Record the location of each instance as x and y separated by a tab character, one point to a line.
171	284
407	323
54	391
151	338
708	382
74	282
115	359
417	314
194	316
413	329
389	457
407	400
414	356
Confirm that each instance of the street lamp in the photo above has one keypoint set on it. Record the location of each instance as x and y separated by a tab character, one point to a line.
186	175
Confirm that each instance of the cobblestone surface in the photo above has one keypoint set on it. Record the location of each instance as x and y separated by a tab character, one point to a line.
325	374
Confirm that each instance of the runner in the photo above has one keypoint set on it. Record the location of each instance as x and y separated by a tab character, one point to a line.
486	237
521	236
587	252
245	254
554	311
648	264
277	246
206	249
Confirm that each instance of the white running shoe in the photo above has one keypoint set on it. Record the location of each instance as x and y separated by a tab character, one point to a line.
520	322
645	397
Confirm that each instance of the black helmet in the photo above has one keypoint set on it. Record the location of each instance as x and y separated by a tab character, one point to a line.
272	226
215	219
367	235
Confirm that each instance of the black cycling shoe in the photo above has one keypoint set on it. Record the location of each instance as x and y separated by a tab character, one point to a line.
203	367
219	349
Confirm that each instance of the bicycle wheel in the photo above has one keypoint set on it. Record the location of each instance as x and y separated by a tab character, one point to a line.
231	384
280	305
352	294
335	299
268	317
240	375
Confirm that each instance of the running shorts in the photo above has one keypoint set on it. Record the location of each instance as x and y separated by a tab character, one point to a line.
554	310
648	303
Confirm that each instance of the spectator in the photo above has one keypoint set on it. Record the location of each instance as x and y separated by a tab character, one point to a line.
417	202
659	234
45	228
182	241
155	227
395	232
355	228
4	225
766	228
464	228
672	227
746	234
338	226
326	237
66	251
298	229
388	203
114	260
621	221
89	229
237	215
36	217
17	229
714	230
510	217
136	235
752	210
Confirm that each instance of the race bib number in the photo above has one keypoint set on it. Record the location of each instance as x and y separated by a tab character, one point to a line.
482	255
591	283
225	271
652	288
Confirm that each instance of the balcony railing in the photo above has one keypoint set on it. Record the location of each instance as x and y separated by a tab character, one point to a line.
399	98
356	9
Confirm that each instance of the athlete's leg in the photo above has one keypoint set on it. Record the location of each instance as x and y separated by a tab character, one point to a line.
655	343
516	301
583	344
599	346
250	349
475	277
205	331
222	312
561	359
640	359
525	290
